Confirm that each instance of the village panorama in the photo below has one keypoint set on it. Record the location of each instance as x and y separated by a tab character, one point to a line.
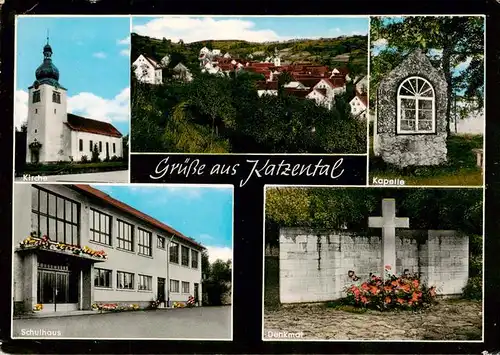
299	96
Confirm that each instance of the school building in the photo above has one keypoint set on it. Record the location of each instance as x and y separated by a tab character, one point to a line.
76	246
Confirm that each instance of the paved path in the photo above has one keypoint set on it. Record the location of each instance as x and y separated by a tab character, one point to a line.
110	176
193	323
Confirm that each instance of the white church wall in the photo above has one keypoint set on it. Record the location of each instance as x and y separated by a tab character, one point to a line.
95	138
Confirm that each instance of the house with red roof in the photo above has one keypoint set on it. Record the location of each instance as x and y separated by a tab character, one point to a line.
76	247
53	134
147	70
359	104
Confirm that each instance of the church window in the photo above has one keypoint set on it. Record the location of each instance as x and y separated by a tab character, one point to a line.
91	146
36	110
36	130
100	147
56	97
55	110
114	148
416	106
36	96
81	145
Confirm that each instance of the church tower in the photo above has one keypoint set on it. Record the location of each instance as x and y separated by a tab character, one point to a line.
48	138
276	58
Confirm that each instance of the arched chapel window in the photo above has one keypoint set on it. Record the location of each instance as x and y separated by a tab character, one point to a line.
416	106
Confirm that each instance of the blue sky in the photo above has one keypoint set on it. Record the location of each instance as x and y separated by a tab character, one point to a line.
202	213
92	55
254	29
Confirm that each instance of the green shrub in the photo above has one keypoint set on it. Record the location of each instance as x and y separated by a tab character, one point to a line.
84	159
474	288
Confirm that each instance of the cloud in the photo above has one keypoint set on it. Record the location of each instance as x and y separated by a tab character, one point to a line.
463	65
381	42
100	55
125	52
124	41
223	253
86	104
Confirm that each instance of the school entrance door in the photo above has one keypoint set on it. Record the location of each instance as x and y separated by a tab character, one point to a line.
57	288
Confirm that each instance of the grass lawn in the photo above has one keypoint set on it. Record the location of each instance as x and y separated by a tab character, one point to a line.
460	170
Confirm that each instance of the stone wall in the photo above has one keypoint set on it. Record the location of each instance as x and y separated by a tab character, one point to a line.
314	265
410	149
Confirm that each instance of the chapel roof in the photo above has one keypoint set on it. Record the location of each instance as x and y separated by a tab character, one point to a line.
136	213
82	124
47	72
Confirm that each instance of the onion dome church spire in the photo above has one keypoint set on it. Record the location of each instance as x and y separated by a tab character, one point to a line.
47	73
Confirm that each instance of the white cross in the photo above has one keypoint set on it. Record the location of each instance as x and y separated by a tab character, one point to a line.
388	222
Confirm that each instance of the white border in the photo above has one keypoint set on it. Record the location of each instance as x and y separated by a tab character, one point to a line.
266	186
155	185
15	90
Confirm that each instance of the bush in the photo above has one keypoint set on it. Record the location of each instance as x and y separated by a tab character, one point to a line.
403	292
474	288
95	154
114	158
84	159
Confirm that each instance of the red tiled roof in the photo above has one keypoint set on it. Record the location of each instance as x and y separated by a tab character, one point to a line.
138	214
297	92
362	97
82	124
307	81
267	85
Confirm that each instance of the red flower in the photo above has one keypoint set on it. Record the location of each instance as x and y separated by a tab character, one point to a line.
364	286
415	283
400	300
364	300
387	300
388	267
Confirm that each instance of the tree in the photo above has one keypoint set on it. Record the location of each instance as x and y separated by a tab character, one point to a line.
218	282
95	154
458	38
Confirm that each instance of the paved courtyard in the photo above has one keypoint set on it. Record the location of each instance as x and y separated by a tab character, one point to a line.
190	323
110	177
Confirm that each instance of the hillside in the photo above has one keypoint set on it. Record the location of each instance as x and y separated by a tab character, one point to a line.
350	51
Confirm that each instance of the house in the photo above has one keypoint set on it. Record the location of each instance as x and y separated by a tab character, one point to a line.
165	61
362	85
358	105
321	97
181	72
76	246
147	70
227	55
53	134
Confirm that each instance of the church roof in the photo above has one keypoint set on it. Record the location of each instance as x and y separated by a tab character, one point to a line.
129	209
82	124
47	72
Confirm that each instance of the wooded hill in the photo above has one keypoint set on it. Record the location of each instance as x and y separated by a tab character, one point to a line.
341	51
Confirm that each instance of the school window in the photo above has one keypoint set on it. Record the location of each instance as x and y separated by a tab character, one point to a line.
81	145
124	280
174	253
160	242
174	286
36	96
125	236
194	259
145	283
56	97
102	278
36	110
100	227
144	242
114	148
185	256
55	216
185	287
91	146
100	147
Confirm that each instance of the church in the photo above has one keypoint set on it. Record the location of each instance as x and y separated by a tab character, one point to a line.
53	134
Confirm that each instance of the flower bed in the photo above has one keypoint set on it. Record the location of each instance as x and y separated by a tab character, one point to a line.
396	292
114	307
35	241
38	307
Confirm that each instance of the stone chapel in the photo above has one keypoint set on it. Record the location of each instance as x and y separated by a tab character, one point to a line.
53	134
410	126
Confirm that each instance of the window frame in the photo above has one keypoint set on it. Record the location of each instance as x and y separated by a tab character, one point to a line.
141	232
149	282
172	246
125	273
163	243
183	247
56	97
99	231
36	97
193	251
74	222
416	99
184	283
80	145
174	289
125	241
97	273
